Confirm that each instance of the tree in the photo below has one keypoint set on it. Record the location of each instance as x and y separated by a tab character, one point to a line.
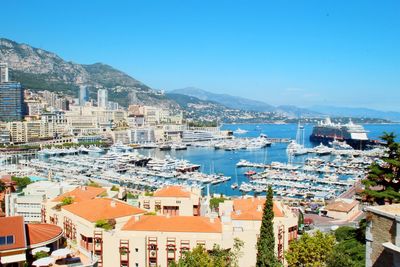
22	182
266	241
384	175
67	201
310	250
217	257
350	249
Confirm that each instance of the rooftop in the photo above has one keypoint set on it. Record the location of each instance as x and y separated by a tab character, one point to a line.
13	226
42	233
192	224
81	193
252	209
172	191
386	210
341	205
102	208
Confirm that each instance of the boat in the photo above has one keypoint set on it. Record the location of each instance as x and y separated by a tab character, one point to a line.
234	186
240	131
164	147
250	173
353	134
179	146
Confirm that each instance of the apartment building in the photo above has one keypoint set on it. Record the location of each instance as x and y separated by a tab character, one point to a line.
137	239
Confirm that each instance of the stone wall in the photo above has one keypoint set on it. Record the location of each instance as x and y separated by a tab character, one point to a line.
380	230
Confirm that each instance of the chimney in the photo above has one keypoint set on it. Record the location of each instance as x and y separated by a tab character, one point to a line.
259	207
212	220
168	216
113	204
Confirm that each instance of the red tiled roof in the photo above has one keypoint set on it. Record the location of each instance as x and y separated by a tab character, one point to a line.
41	232
102	208
172	191
341	205
13	226
81	193
252	209
193	224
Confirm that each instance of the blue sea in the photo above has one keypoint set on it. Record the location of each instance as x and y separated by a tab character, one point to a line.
220	161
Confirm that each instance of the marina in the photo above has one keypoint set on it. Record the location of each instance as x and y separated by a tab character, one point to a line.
245	164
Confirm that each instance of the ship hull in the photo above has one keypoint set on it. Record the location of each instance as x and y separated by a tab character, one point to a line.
356	144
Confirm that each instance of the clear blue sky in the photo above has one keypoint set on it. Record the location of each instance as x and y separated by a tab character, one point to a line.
335	52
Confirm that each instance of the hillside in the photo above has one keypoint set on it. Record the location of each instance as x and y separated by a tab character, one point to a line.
357	112
226	100
39	69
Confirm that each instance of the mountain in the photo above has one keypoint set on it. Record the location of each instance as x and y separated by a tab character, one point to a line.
38	69
357	112
296	112
234	102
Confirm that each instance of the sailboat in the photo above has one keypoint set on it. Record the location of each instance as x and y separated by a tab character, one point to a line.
235	184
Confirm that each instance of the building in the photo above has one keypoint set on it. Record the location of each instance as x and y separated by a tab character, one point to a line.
102	98
5	137
17	239
173	201
29	203
383	236
11	101
83	95
342	209
3	72
164	226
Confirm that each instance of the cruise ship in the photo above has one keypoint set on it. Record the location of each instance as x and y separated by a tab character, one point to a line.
353	134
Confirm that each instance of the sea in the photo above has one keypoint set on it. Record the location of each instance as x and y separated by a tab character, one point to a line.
221	161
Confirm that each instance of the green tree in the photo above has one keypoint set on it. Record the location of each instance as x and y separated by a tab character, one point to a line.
216	257
22	182
384	175
266	241
215	201
350	248
310	250
67	201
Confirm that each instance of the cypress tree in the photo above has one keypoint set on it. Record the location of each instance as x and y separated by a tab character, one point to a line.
266	241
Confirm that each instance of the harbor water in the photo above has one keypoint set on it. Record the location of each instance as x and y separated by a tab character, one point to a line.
221	161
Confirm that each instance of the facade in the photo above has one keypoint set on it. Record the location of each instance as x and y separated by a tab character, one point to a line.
3	72
343	209
5	137
11	101
138	239
29	207
31	131
172	201
383	236
83	95
102	98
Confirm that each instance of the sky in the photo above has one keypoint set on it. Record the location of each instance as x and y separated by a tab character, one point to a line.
304	53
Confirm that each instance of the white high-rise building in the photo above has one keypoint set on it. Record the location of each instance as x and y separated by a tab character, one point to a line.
102	98
3	72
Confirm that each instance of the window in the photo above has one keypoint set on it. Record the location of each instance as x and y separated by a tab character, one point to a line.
6	240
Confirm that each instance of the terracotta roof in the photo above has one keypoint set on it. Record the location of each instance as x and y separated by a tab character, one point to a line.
172	191
102	208
192	224
13	226
342	205
41	233
81	193
7	179
252	209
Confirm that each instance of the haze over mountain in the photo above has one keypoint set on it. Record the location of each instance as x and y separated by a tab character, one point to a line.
230	101
357	112
289	110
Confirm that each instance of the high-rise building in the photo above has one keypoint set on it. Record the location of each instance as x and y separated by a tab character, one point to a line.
3	72
102	98
12	107
83	95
